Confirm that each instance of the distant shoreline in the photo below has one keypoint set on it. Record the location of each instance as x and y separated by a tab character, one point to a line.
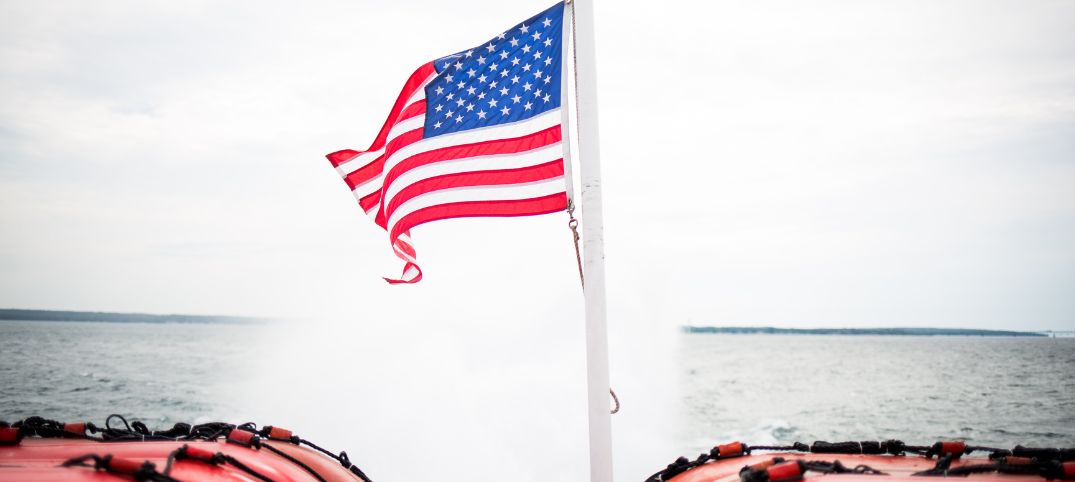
11	314
768	330
7	314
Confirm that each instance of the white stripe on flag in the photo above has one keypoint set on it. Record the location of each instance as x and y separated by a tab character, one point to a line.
535	189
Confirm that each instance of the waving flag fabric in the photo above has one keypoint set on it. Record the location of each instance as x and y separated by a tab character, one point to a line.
475	133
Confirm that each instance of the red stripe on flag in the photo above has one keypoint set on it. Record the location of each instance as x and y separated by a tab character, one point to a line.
417	108
500	146
505	208
415	279
413	83
376	166
365	173
370	201
380	220
492	177
406	248
339	157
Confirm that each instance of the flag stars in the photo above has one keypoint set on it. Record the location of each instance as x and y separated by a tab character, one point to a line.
471	100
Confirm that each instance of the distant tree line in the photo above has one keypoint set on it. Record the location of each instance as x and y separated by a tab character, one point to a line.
768	330
83	316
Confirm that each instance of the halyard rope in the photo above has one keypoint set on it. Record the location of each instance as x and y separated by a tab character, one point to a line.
573	223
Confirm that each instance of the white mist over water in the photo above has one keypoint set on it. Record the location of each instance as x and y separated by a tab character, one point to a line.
466	395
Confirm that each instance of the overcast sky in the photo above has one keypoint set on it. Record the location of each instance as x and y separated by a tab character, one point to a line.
795	163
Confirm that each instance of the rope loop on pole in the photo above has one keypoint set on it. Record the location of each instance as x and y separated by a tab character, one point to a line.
573	225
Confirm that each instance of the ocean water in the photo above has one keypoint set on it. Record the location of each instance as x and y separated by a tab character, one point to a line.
158	373
760	389
993	391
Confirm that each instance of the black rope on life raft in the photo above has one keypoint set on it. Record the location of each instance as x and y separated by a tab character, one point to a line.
198	454
278	434
779	469
139	470
683	464
1048	468
1048	462
245	436
118	429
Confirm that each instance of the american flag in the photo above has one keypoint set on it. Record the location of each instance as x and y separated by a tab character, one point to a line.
476	133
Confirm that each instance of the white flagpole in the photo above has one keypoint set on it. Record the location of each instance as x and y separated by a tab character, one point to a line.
593	242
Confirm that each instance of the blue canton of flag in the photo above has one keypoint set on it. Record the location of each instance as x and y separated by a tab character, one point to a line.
512	77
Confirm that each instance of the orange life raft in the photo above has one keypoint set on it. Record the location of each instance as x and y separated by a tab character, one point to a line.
888	461
45	450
